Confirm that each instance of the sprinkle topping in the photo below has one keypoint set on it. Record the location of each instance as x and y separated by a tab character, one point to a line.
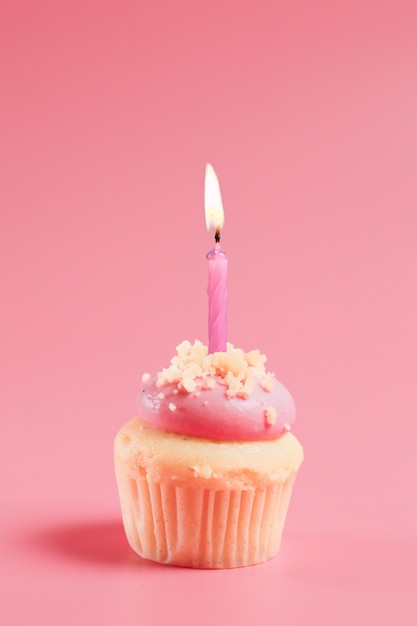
235	369
270	415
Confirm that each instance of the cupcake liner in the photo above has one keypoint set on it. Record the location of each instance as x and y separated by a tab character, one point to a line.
202	527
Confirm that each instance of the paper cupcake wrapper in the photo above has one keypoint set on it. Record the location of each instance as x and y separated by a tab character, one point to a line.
203	527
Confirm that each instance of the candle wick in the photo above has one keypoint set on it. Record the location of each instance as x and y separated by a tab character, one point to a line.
217	234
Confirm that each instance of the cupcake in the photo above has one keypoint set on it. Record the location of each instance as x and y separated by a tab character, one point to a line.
205	472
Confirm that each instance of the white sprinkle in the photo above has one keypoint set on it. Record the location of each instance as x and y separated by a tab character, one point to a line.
145	377
188	384
171	406
267	384
270	415
287	426
160	395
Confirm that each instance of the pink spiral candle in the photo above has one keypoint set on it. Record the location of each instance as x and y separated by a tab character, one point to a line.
217	262
217	296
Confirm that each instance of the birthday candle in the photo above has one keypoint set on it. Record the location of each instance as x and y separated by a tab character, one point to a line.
217	265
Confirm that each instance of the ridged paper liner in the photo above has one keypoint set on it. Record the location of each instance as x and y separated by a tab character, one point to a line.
202	527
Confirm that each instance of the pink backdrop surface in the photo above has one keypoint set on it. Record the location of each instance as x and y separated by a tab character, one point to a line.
109	113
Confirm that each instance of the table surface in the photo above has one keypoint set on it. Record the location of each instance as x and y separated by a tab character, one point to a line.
73	572
109	113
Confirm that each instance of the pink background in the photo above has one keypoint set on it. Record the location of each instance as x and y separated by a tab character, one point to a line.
109	112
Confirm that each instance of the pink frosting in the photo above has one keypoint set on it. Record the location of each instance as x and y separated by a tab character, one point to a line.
209	413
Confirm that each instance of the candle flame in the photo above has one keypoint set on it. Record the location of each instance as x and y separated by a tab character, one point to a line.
213	201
